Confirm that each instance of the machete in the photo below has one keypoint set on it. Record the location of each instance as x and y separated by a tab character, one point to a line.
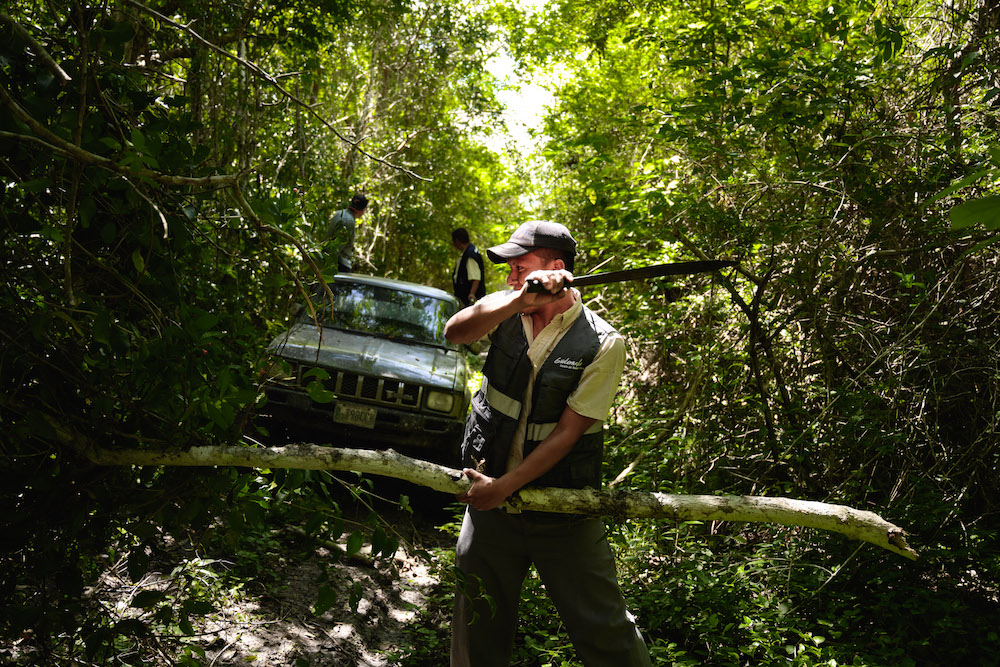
655	271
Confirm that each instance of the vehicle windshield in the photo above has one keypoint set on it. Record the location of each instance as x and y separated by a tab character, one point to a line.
388	312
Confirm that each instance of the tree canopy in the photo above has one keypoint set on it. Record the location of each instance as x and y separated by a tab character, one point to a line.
169	167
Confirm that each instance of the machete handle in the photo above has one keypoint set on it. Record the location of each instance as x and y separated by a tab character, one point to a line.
535	286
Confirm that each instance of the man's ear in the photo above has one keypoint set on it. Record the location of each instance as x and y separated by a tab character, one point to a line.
558	264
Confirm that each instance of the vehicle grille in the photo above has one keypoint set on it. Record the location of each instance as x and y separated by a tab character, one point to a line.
368	388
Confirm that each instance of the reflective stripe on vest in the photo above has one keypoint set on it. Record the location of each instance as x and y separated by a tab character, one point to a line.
501	402
538	432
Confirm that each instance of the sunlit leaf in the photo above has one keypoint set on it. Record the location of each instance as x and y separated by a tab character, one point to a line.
985	211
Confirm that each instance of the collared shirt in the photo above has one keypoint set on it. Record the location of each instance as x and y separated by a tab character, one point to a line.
598	385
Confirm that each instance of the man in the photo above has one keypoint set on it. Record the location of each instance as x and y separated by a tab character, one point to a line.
340	233
549	381
468	277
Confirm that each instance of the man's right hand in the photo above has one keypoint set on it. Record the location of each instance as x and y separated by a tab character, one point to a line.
553	281
553	285
476	321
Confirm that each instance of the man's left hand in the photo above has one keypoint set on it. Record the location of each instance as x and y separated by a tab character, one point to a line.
486	493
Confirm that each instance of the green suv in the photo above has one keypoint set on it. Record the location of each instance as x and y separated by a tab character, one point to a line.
373	369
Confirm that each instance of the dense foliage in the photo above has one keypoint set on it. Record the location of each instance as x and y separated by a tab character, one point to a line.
168	168
852	359
167	173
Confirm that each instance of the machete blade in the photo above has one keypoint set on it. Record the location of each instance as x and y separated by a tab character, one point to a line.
655	271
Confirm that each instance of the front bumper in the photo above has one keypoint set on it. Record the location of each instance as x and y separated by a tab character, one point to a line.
431	436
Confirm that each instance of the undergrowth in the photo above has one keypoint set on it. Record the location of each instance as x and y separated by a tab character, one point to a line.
730	596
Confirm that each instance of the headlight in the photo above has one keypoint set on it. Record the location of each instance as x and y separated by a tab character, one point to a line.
440	401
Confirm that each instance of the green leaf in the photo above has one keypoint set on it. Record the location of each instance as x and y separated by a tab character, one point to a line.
317	373
165	614
325	599
97	640
138	140
138	261
40	424
254	513
199	607
319	393
176	101
981	246
111	143
55	233
958	185
86	210
119	33
109	232
337	529
147	599
378	541
984	211
356	594
132	626
237	521
390	547
138	564
35	186
314	523
354	543
205	322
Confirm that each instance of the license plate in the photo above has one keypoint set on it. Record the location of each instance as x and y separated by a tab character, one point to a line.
355	415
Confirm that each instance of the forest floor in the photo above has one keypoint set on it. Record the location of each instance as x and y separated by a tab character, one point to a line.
375	599
271	619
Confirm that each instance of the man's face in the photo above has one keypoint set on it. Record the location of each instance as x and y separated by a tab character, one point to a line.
521	266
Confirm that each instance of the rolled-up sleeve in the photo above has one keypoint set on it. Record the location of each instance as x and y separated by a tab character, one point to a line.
595	394
472	271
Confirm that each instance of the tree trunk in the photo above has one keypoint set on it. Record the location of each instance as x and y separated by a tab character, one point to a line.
617	504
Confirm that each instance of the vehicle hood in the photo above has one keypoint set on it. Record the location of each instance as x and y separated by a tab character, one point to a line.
369	355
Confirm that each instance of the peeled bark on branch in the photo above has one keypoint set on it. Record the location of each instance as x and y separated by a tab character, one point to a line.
618	504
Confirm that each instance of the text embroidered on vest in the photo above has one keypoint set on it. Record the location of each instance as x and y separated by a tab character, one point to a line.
572	364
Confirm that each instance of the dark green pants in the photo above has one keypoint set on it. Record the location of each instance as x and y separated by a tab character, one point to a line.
575	563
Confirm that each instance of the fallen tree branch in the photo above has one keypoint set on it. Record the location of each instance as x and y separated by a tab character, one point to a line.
853	523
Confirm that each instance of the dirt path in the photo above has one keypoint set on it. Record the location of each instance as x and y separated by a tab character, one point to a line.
277	626
270	620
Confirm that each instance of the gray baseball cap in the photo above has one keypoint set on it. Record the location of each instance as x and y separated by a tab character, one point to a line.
530	235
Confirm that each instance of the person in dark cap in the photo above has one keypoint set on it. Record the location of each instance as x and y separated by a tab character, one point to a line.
548	384
339	239
468	279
